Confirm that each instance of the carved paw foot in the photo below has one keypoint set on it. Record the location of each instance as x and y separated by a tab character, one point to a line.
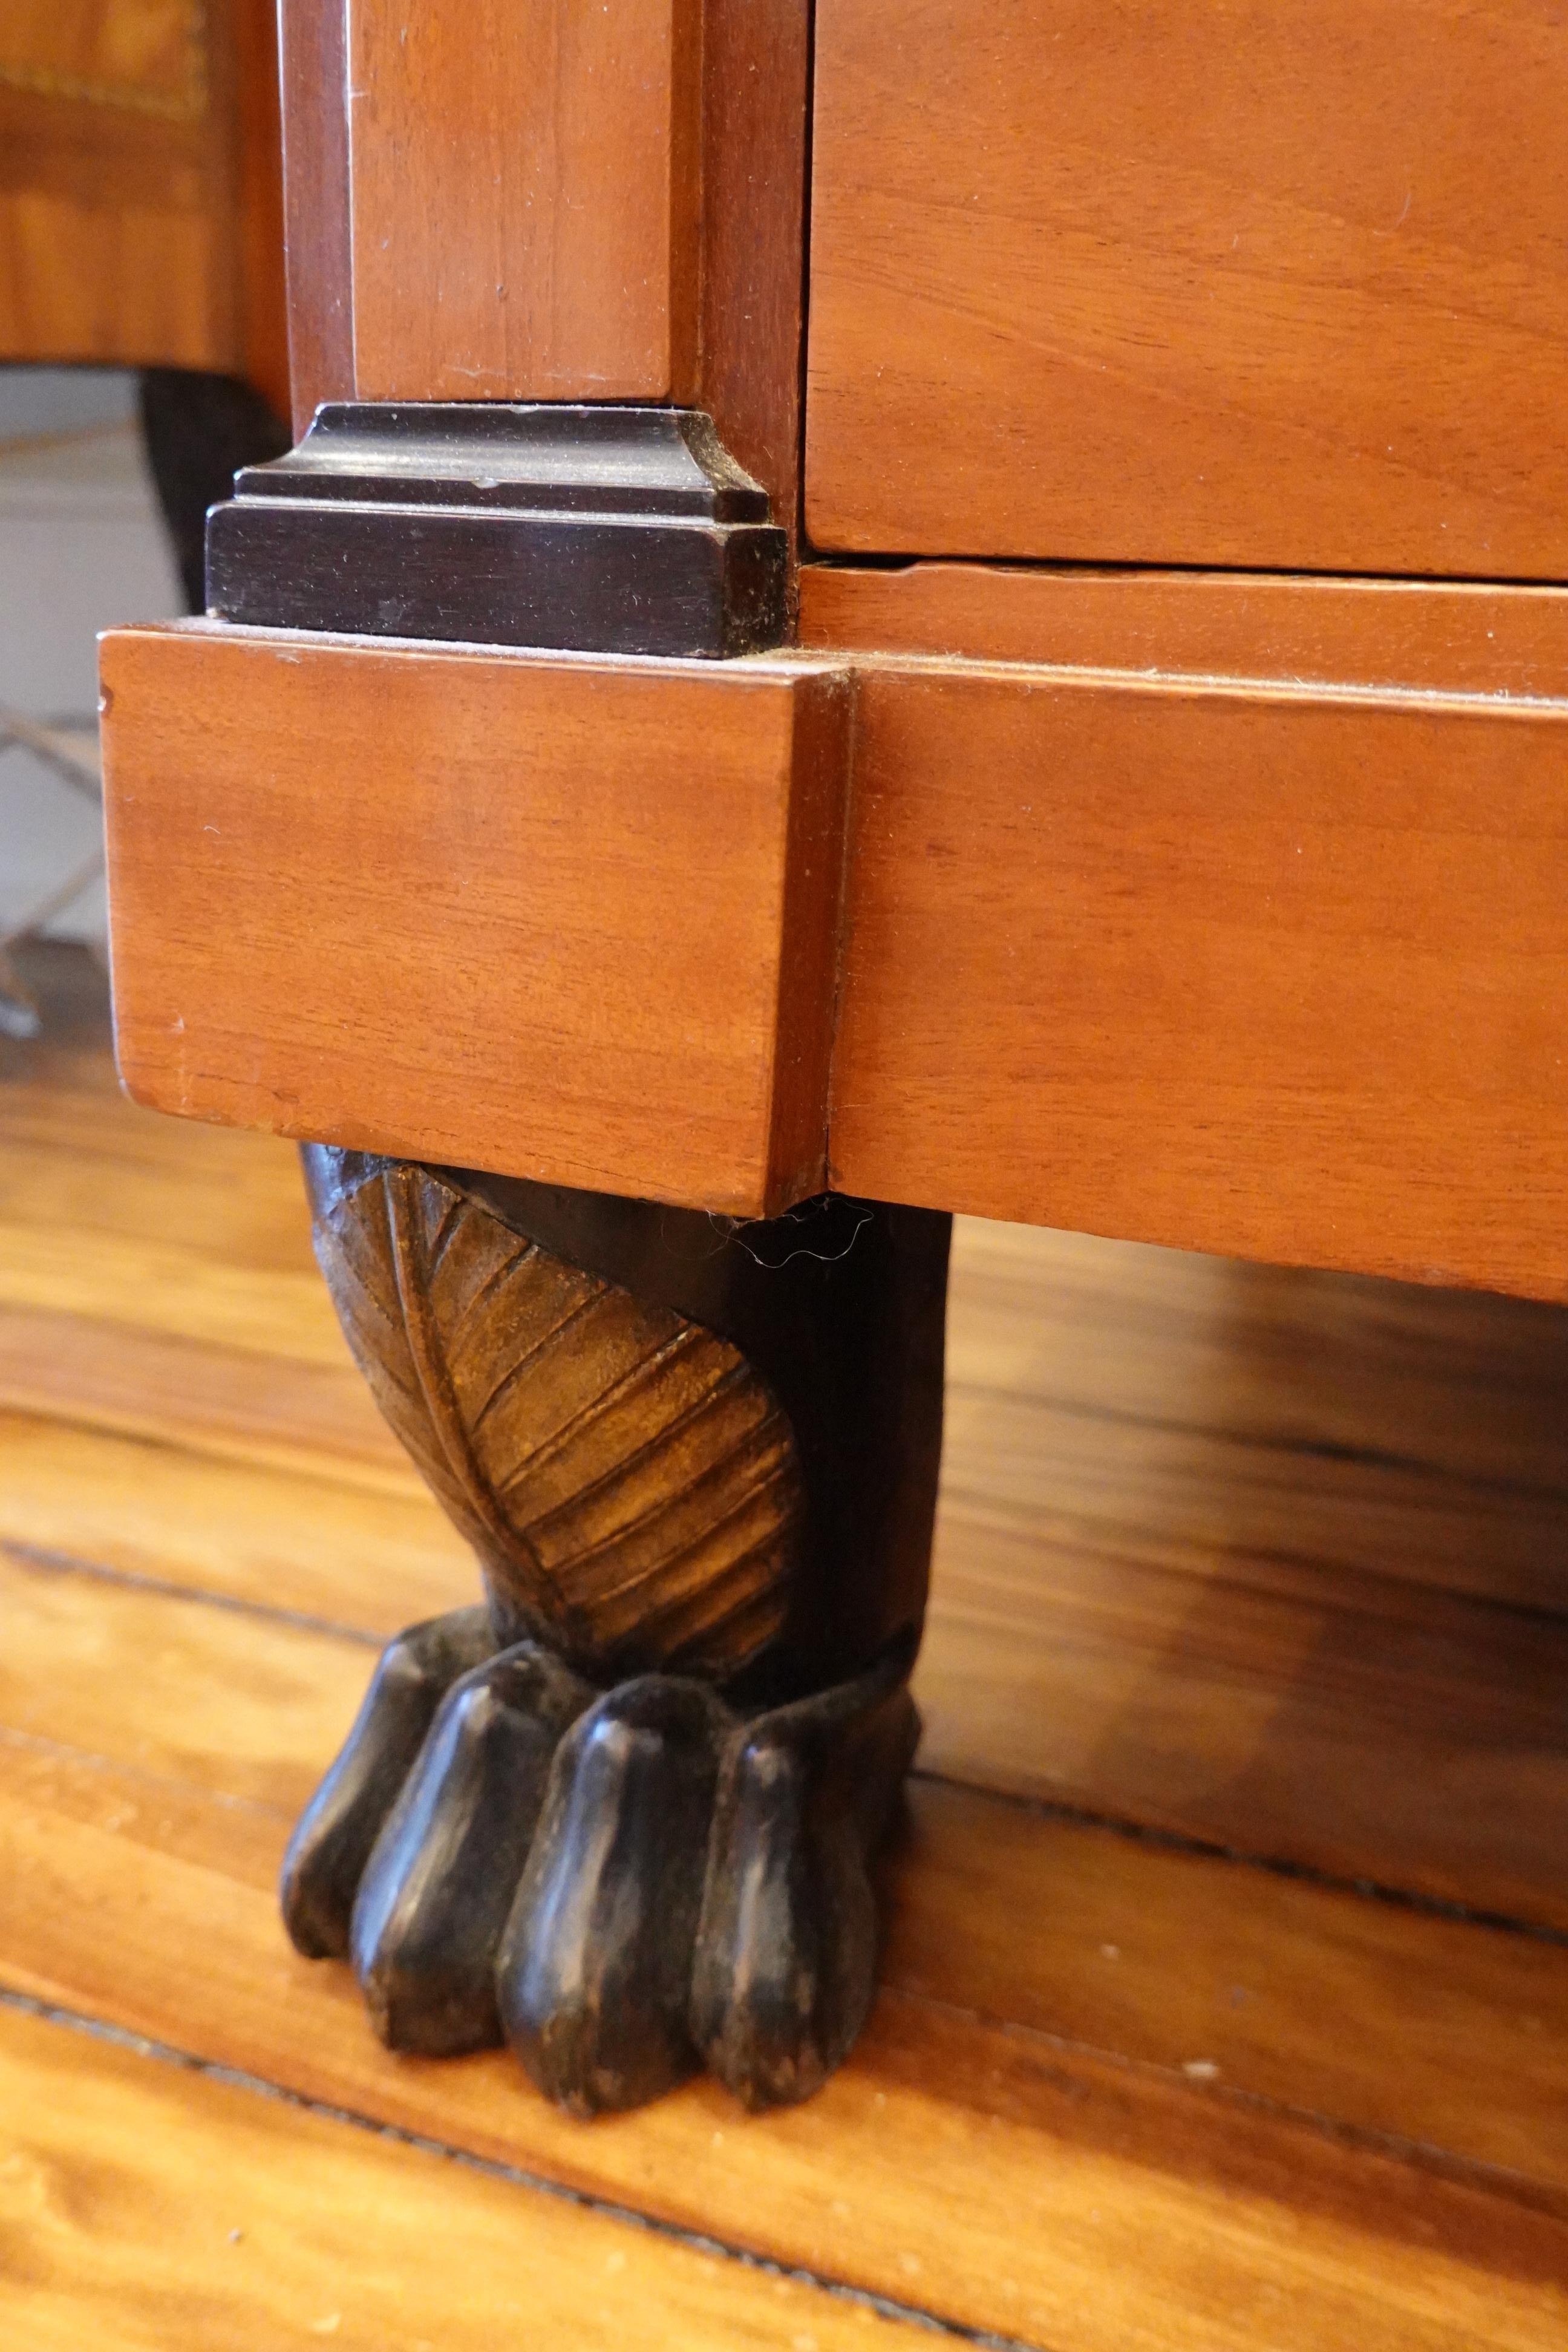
785	1963
626	1883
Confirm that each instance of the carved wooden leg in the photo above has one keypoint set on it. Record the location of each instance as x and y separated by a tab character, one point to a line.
624	1814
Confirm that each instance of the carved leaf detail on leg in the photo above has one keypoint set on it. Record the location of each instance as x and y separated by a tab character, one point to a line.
628	1481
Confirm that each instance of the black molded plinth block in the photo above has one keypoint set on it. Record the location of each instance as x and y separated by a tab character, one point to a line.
595	529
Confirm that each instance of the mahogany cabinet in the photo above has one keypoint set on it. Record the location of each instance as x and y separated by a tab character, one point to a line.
1184	491
1116	779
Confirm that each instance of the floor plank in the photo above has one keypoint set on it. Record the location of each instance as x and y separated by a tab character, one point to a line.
1368	2014
145	2205
1244	1419
1264	1556
998	2178
244	1706
234	1403
1357	1377
76	1153
1269	1559
1373	2014
92	1163
157	1752
311	1545
1424	1747
163	1286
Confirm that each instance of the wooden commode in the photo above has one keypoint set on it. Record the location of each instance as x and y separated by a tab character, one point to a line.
903	608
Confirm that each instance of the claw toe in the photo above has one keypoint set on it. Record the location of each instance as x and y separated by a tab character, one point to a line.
787	1954
440	1880
330	1848
595	1966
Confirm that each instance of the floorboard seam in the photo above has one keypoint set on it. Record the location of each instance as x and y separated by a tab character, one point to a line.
1426	2156
44	1559
345	1473
1307	1449
1104	1539
137	1776
1371	1890
48	1562
695	2240
240	1446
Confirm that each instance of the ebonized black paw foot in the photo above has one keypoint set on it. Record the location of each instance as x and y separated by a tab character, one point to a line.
626	1883
785	1963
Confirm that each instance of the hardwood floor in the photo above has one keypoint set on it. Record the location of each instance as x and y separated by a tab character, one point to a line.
1273	1558
1225	1995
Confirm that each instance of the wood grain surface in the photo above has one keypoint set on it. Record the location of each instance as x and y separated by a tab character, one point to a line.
553	926
139	199
641	231
1277	284
1460	2033
1250	966
1265	1557
524	192
1114	2091
313	74
145	277
992	2171
131	53
162	2205
756	57
256	168
1449	636
1266	970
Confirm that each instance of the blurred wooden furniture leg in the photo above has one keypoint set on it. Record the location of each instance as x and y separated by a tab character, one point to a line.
199	429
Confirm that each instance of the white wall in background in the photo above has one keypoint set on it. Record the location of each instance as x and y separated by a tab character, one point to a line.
82	547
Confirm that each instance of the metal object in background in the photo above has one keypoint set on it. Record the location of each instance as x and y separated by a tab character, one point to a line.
69	747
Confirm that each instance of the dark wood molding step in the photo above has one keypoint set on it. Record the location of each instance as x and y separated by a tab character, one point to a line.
604	530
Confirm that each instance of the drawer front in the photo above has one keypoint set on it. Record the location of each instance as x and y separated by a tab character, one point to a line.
1275	971
1276	283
